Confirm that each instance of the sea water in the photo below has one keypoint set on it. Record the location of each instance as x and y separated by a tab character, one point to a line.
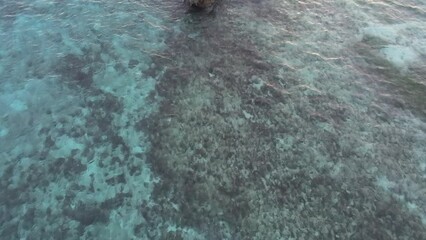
252	120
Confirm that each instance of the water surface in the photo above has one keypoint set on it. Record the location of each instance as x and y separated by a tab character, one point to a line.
258	120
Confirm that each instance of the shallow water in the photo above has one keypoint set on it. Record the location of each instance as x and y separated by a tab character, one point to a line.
257	120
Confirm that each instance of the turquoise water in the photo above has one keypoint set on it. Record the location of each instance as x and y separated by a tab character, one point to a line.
257	120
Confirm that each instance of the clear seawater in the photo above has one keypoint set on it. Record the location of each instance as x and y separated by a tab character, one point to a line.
273	119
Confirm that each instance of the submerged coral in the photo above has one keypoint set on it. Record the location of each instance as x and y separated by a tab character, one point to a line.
246	151
256	122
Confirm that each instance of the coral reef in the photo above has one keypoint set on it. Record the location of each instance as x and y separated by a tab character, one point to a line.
140	120
245	151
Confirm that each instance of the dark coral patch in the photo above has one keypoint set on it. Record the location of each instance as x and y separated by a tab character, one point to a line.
117	201
132	63
75	70
87	214
69	167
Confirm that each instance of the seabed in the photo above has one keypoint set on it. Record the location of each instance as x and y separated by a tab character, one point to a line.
258	120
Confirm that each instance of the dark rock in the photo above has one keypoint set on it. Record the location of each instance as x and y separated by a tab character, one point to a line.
133	63
68	166
72	68
48	142
116	201
87	214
